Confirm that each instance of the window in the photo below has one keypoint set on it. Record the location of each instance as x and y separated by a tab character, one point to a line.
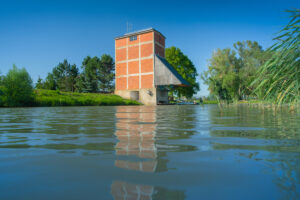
132	38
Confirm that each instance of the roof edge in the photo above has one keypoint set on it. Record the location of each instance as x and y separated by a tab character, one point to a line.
139	32
174	71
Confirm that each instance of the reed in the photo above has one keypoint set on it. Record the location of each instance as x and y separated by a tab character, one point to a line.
278	80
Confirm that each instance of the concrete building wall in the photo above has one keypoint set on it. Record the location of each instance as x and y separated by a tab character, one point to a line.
146	96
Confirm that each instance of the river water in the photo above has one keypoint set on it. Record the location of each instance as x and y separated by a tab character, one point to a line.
144	152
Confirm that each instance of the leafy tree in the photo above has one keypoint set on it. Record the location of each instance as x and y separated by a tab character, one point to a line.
106	73
230	72
222	75
65	76
39	84
16	88
184	66
279	78
97	75
50	83
251	56
88	79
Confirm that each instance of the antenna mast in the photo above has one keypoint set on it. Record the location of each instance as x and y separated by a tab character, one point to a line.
129	27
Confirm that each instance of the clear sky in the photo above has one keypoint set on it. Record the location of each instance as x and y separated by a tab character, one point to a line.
39	34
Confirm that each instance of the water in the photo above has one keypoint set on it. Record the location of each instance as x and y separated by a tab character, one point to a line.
140	152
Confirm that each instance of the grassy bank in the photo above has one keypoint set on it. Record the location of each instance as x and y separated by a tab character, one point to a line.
267	103
291	107
58	98
198	101
261	103
210	102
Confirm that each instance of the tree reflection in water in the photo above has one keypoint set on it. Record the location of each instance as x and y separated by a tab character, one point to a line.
275	131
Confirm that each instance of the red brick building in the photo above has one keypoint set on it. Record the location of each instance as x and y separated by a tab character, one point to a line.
141	70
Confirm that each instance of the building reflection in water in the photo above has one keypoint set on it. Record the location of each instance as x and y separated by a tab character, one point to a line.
127	191
135	129
136	133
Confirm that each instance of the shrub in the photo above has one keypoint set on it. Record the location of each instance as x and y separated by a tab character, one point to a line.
16	88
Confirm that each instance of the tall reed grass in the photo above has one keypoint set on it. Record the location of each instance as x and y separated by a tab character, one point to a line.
278	79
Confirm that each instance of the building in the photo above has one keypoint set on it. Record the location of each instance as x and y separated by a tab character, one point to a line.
142	72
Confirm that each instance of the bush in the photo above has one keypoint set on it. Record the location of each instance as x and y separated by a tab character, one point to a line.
16	88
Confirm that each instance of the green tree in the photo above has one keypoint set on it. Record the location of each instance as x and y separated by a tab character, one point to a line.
222	74
97	75
278	79
16	88
251	56
88	79
50	83
65	76
40	84
184	66
106	73
230	72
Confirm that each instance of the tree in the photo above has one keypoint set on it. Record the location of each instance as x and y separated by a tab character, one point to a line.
222	75
50	83
278	79
97	75
251	57
16	88
184	66
65	76
88	79
230	72
39	84
106	73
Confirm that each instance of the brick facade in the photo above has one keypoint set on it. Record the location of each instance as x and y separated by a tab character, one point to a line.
135	59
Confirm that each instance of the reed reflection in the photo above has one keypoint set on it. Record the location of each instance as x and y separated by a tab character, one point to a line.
262	124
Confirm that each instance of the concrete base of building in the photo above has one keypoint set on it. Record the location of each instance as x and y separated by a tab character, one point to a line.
151	96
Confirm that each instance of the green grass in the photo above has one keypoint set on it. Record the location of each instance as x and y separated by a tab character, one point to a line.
210	102
58	98
198	101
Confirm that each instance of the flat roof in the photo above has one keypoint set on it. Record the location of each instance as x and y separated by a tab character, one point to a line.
139	32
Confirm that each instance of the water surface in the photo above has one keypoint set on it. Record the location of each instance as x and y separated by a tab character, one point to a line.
144	152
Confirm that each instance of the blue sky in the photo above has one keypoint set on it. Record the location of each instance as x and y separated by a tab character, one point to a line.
39	34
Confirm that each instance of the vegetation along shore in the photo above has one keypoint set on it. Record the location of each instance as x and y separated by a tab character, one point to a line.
246	73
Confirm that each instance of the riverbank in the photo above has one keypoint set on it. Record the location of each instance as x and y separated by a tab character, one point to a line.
268	103
58	98
259	103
